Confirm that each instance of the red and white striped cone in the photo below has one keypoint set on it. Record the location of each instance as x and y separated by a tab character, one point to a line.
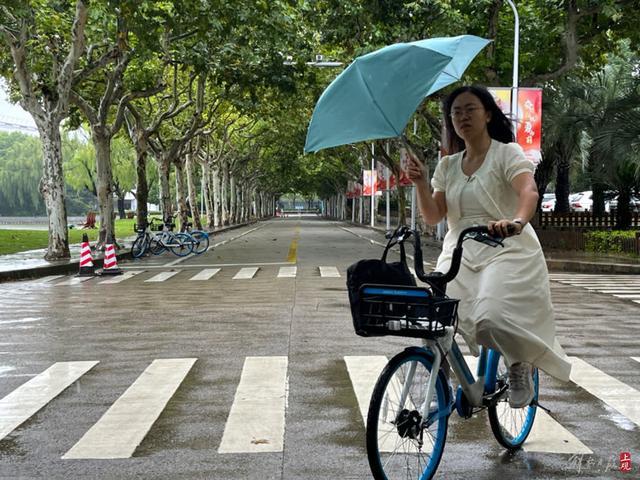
110	263
87	269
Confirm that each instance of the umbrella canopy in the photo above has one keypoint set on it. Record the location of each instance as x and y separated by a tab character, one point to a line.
376	95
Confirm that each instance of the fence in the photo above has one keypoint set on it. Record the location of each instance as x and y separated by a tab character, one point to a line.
582	220
577	240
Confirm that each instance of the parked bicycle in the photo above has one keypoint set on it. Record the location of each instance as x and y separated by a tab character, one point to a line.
413	397
200	238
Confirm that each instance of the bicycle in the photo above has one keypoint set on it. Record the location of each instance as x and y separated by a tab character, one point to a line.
180	244
410	405
200	238
143	241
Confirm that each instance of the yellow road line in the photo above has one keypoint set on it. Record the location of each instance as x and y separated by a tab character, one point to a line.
293	248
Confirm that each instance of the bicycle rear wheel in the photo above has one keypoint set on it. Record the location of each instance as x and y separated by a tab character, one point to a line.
401	444
185	244
510	426
201	241
155	246
139	246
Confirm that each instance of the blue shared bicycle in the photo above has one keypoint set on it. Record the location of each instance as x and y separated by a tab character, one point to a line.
413	397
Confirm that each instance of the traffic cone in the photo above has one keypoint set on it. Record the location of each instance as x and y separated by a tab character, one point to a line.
87	269
110	263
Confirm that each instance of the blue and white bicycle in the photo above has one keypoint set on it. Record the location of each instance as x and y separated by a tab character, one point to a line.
413	398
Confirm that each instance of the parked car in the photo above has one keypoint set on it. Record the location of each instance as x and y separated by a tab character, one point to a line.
548	202
612	205
581	202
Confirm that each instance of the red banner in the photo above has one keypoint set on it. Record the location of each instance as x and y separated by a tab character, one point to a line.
369	183
529	133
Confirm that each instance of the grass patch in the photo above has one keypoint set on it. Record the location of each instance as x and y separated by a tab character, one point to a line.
14	241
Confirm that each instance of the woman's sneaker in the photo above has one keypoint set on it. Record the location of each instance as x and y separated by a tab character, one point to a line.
521	389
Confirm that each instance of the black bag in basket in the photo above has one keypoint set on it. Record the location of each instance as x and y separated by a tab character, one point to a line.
376	272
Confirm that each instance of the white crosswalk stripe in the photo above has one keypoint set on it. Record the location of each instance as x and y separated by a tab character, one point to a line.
287	272
613	392
26	400
329	272
73	281
246	273
121	278
205	274
626	287
547	435
257	416
161	277
121	429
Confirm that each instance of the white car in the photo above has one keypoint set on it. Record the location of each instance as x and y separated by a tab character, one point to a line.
548	202
581	202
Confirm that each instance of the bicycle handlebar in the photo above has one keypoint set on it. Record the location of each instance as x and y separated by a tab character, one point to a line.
438	280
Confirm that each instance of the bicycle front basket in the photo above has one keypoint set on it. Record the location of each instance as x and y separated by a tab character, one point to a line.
402	311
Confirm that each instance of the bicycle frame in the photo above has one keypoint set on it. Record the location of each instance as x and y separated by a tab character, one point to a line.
474	388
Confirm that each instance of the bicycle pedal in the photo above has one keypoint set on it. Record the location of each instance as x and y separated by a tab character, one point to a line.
535	402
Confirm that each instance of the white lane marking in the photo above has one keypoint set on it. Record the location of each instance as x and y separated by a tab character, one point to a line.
120	278
124	425
246	273
46	279
413	271
364	372
287	272
637	359
627	296
256	419
74	281
30	397
205	274
134	267
547	435
161	277
611	391
329	272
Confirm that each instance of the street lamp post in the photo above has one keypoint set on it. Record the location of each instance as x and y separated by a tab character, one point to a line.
516	48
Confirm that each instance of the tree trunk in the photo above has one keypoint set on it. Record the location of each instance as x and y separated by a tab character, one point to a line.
142	186
623	213
224	215
104	184
164	170
121	211
52	190
562	186
402	205
233	198
208	195
216	197
193	201
181	195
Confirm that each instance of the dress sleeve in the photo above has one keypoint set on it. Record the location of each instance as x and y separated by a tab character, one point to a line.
515	162
439	180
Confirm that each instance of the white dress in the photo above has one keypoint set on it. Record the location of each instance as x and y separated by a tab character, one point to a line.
505	297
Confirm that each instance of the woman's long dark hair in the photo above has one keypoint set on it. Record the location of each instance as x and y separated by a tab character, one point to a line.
499	126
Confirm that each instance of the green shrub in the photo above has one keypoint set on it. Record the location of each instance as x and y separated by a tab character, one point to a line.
605	241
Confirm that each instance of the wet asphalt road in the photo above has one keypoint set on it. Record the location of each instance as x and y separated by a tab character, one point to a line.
222	321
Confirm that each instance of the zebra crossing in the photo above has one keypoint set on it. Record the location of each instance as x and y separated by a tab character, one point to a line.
200	275
255	422
626	287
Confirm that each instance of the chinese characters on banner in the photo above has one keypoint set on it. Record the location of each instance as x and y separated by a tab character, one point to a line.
354	190
529	131
369	183
530	122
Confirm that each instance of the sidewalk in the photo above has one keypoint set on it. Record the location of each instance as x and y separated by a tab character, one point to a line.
563	261
31	264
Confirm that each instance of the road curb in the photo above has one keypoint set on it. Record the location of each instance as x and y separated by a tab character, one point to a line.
74	265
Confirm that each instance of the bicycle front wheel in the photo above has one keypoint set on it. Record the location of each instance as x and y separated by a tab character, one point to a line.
139	246
401	443
201	241
185	244
510	426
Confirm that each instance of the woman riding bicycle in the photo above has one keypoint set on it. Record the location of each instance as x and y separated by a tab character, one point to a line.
505	297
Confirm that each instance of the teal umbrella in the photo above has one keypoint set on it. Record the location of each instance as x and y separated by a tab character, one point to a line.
376	95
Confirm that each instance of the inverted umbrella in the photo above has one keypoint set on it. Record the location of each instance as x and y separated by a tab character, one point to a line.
376	95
